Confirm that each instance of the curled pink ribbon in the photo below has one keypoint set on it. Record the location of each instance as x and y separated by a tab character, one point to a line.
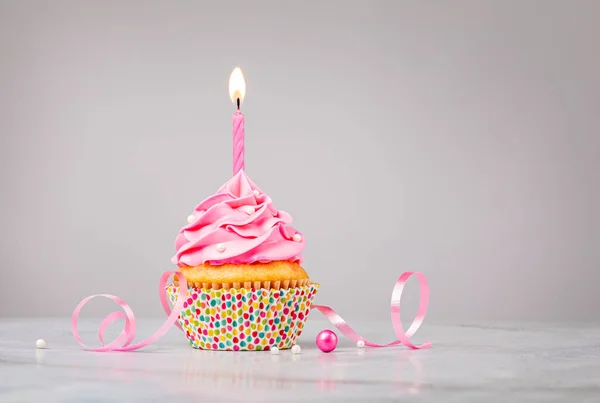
403	337
123	341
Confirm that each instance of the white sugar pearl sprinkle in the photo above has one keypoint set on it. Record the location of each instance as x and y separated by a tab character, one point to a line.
40	343
274	351
360	344
250	210
297	237
191	218
256	193
221	247
296	349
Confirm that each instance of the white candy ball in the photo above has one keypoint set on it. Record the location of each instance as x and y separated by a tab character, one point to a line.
360	344
250	210
191	218
256	193
296	349
220	247
274	351
297	237
40	343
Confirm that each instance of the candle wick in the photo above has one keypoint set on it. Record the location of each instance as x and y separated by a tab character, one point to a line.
238	104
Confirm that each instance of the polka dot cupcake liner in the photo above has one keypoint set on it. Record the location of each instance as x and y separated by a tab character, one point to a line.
244	319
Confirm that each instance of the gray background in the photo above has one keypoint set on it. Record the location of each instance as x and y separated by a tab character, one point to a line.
457	138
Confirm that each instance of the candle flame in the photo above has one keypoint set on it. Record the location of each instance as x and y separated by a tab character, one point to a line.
237	85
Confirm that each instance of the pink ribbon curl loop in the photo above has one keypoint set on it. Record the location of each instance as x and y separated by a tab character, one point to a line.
403	337
123	341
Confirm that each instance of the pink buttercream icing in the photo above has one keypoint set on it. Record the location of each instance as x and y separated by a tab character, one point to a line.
224	232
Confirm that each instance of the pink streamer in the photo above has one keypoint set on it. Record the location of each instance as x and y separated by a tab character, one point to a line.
403	337
123	341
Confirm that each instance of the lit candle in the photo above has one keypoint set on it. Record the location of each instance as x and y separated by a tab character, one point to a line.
237	91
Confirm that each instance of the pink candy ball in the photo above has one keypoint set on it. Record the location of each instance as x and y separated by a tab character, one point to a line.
327	341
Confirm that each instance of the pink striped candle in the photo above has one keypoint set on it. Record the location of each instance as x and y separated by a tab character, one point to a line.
238	142
237	91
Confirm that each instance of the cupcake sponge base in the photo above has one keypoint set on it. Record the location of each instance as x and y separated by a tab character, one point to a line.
276	275
244	319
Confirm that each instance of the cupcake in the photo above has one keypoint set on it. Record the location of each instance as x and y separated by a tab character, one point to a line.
242	261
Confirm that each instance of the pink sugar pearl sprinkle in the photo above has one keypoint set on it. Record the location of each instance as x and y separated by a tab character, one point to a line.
327	341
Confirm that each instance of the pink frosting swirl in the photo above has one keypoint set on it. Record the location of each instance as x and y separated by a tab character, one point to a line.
239	224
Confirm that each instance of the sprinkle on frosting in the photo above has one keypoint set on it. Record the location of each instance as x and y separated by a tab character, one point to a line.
262	235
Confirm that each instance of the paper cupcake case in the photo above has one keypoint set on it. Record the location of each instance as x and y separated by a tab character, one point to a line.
244	319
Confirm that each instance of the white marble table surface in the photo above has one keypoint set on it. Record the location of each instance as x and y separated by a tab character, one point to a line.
522	363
